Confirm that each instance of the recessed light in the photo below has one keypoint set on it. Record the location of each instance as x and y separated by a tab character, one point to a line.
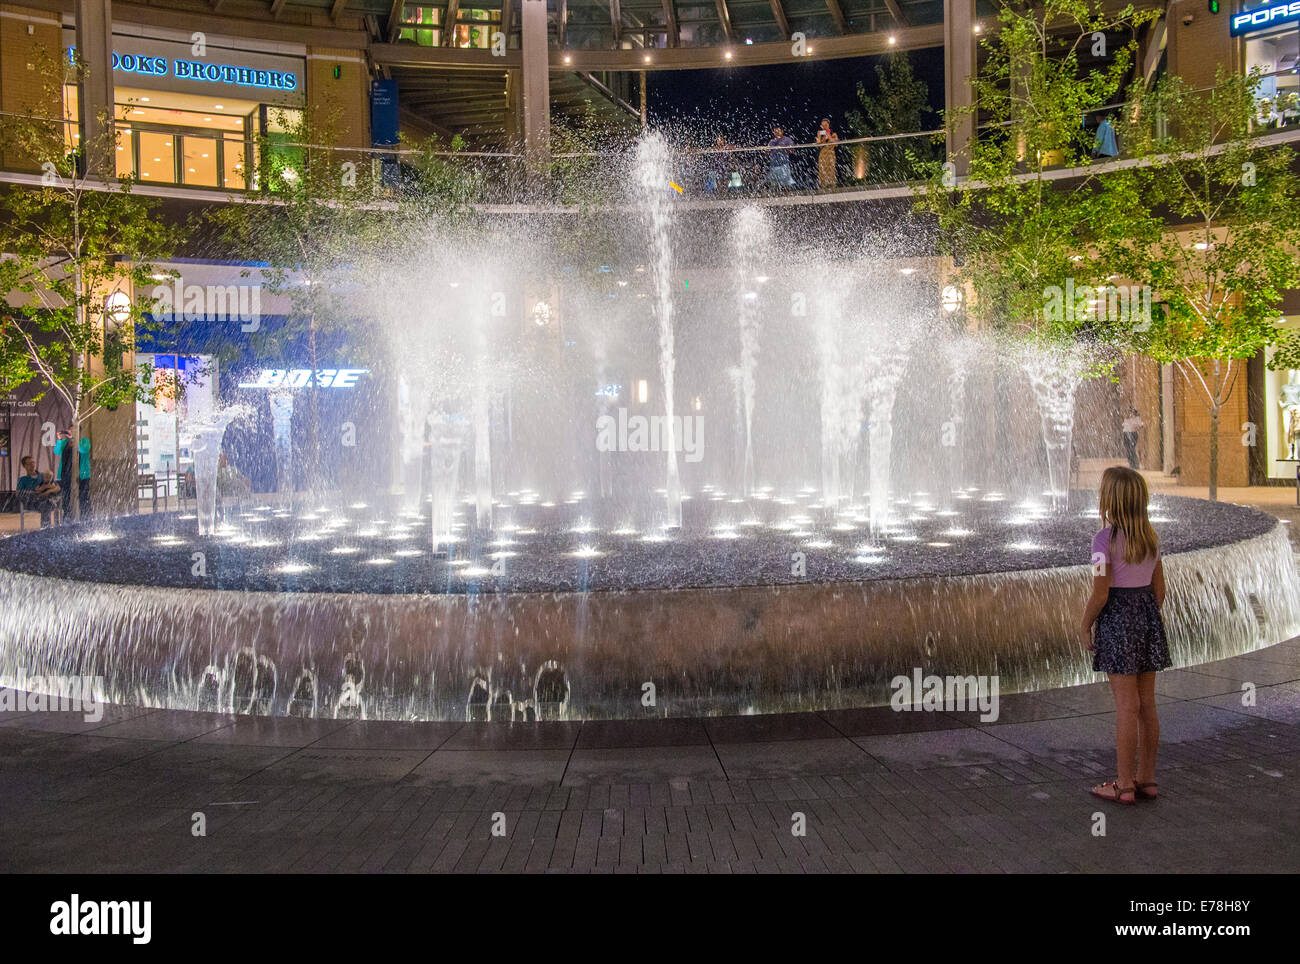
144	100
218	106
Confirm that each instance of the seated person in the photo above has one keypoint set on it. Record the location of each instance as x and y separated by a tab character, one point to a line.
38	490
231	483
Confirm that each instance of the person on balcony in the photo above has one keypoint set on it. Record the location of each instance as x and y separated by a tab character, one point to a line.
826	176
779	159
1105	145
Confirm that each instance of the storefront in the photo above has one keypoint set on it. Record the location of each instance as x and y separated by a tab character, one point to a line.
1281	400
190	115
1270	33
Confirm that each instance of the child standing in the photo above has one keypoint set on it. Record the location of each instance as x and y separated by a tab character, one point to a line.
1123	629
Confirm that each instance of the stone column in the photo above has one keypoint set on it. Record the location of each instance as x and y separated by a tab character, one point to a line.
112	433
536	85
959	65
95	49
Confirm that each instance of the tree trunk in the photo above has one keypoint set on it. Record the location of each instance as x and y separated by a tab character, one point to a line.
1216	403
1214	453
314	474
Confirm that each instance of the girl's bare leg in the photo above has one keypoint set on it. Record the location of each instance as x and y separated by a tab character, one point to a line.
1148	728
1127	706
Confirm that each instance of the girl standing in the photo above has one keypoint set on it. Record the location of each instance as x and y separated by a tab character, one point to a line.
1123	629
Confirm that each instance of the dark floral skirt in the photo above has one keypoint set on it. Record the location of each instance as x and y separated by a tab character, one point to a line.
1129	636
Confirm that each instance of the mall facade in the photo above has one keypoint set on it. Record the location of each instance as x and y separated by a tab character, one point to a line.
195	84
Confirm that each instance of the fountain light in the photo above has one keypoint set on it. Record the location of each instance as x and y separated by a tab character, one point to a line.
1024	546
409	552
655	537
264	544
726	534
939	545
868	560
379	561
100	537
358	505
585	552
292	568
819	544
344	550
956	533
504	554
475	572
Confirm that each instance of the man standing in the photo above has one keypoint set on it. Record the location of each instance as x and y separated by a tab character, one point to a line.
83	478
63	469
1132	425
779	158
63	459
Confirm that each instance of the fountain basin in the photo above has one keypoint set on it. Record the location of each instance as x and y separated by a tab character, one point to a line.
780	645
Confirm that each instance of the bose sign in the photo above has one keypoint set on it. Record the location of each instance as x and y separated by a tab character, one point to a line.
301	378
1250	20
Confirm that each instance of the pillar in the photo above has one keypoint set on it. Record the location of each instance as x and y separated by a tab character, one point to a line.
959	65
536	85
95	49
112	432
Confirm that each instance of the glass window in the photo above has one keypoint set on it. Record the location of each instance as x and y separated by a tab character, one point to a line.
157	157
1275	54
199	161
234	162
125	151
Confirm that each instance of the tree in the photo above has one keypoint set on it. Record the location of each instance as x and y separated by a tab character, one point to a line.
76	249
899	106
1024	238
1218	241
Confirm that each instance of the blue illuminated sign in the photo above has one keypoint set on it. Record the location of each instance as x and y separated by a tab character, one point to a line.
1248	21
202	70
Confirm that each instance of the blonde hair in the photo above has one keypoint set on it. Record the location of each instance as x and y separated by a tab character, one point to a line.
1123	496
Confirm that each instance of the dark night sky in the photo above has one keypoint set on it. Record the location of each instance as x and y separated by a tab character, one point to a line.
743	102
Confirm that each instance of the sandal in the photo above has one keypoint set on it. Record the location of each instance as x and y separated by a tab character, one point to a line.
1112	791
1145	791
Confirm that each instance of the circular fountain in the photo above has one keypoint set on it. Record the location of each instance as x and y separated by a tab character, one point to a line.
351	612
773	482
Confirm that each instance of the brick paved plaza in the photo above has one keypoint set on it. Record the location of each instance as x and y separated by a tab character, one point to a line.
881	792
